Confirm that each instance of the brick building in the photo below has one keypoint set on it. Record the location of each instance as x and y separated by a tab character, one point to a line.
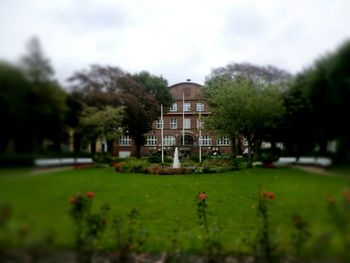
181	127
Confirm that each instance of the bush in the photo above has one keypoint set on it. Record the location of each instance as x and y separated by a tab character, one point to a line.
105	158
133	166
157	158
268	157
15	160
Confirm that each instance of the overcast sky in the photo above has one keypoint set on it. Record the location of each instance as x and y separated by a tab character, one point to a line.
177	39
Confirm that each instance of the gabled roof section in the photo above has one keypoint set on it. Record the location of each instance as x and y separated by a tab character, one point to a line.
191	90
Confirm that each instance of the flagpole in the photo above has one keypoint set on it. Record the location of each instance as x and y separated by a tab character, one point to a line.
162	131
183	118
200	135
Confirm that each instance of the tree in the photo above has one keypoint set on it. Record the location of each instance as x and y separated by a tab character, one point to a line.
258	75
104	124
46	98
326	87
98	86
33	102
13	106
240	106
37	68
156	86
141	109
140	95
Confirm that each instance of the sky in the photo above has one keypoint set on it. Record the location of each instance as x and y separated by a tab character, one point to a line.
179	40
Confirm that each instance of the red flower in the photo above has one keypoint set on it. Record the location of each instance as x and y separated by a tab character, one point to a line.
269	195
90	194
202	196
330	199
72	200
347	195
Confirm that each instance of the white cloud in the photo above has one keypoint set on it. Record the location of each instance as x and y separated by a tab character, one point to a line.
178	39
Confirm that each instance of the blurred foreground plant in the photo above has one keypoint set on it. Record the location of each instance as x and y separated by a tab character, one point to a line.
89	226
212	245
265	248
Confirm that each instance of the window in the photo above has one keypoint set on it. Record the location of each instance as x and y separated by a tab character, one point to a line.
200	124
169	140
200	106
173	123
159	124
187	106
223	141
124	141
187	123
173	107
151	140
205	141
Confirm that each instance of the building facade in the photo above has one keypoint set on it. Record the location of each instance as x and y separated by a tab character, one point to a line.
184	127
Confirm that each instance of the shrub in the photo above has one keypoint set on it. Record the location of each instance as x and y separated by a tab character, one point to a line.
15	160
157	158
133	166
89	226
269	156
104	158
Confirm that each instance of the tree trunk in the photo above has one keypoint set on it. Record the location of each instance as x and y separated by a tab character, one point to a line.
257	145
110	144
93	148
138	151
76	142
233	146
250	157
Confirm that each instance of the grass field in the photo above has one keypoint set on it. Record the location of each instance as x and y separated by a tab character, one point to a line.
41	202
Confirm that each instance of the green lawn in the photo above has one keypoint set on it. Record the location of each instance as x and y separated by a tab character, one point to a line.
41	201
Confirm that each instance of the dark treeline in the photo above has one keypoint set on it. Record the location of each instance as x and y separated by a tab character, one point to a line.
102	102
40	116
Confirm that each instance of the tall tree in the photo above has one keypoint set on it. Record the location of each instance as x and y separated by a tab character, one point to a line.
13	107
156	86
47	98
35	65
140	95
326	86
259	77
141	109
98	86
240	106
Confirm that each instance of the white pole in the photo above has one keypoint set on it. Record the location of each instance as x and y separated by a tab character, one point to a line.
162	131
183	118
200	135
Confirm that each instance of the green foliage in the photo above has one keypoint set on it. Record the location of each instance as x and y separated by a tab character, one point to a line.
269	156
265	247
33	102
157	86
133	166
244	107
160	198
104	158
317	95
101	123
157	158
89	226
129	236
